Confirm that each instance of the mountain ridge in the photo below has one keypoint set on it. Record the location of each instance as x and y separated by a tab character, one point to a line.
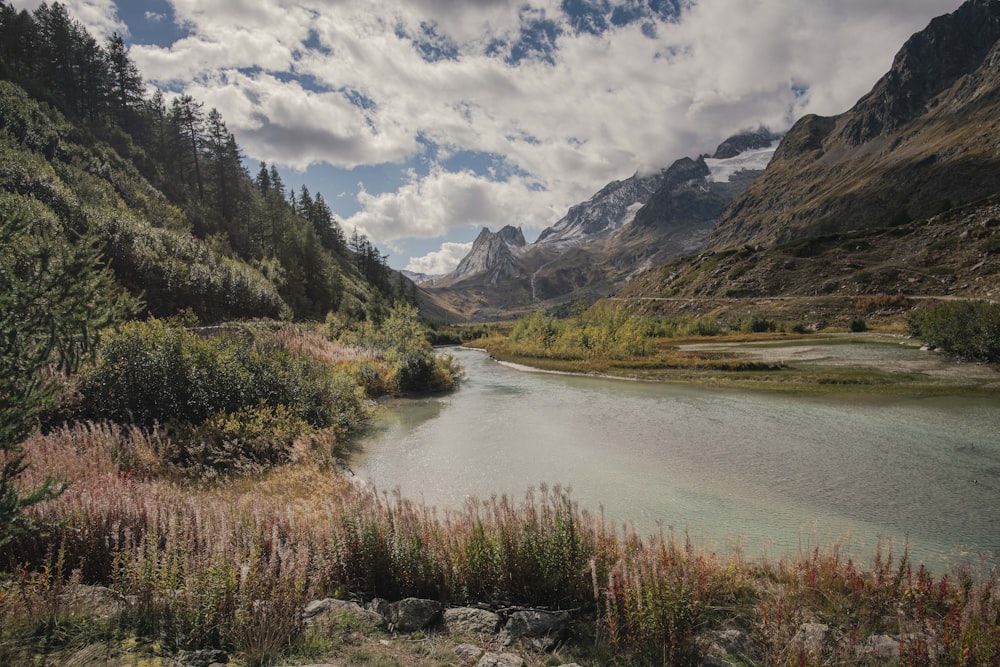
919	142
898	194
601	241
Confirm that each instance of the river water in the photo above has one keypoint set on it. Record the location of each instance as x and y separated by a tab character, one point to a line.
770	473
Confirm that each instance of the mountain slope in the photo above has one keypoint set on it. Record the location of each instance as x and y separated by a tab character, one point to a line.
610	209
162	190
898	194
922	140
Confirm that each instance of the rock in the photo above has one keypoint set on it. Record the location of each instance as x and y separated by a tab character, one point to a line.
479	622
320	609
732	643
379	606
879	649
500	660
327	605
409	614
540	629
812	641
468	652
203	658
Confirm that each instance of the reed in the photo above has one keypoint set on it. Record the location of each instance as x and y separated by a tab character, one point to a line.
228	564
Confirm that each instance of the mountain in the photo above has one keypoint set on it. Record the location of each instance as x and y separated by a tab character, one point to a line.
922	140
626	226
493	256
898	194
610	209
420	278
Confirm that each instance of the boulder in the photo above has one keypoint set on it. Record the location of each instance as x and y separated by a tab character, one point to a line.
470	620
879	649
812	641
202	658
317	610
409	614
539	629
730	642
468	652
500	660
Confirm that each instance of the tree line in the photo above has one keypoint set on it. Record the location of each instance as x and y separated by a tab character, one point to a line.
189	155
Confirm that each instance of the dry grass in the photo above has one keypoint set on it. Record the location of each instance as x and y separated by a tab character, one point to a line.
229	564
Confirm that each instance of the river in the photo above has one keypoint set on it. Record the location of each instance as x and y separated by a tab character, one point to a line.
772	474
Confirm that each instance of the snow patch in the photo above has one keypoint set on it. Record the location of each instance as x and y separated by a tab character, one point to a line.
723	169
630	213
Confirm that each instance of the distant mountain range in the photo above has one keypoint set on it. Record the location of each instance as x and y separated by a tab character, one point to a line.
628	225
901	193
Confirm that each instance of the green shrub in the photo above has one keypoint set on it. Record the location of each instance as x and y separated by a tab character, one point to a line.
991	246
759	324
243	441
857	324
967	329
158	372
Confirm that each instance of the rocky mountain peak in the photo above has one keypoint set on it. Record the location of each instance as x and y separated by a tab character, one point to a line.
610	209
512	236
929	63
745	141
492	254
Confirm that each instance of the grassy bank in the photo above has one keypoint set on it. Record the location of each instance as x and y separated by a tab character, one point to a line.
231	564
610	339
216	531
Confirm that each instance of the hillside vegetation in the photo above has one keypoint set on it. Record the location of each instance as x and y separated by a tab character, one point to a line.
185	350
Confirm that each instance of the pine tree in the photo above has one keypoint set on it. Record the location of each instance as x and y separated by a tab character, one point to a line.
53	301
125	88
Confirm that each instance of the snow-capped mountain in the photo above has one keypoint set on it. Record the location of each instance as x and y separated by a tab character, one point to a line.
624	227
610	209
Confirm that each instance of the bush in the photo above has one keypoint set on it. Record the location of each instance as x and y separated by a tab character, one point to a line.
857	324
967	329
158	372
759	324
243	441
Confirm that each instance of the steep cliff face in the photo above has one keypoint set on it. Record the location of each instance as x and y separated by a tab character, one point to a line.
493	257
923	140
929	63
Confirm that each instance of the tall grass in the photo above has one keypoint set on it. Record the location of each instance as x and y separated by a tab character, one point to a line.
230	564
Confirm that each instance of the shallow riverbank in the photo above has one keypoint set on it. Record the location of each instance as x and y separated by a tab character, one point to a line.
868	363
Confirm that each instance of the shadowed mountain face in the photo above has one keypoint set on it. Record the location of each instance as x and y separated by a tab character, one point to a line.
923	140
898	194
626	226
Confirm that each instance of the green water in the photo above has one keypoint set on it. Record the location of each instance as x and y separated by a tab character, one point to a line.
774	474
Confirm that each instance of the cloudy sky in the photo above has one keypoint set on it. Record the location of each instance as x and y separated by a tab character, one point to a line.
421	121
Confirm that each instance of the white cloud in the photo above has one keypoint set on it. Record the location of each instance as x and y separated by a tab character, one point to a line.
431	206
603	107
100	17
440	261
281	122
